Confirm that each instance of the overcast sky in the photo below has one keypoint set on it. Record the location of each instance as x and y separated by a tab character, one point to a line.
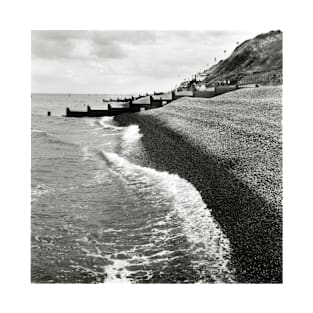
124	61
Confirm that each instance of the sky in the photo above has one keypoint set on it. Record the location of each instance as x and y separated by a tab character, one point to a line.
124	62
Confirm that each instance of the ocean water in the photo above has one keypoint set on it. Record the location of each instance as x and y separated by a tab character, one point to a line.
98	215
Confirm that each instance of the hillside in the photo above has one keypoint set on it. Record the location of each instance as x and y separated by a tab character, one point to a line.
260	54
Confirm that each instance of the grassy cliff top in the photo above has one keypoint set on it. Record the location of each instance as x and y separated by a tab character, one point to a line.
260	54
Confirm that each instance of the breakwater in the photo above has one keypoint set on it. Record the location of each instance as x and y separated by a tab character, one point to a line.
147	102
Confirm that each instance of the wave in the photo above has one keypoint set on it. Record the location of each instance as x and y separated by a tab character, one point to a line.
209	247
107	123
86	150
37	133
40	190
131	134
40	132
130	139
117	272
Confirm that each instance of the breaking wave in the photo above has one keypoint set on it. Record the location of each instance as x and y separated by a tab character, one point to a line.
130	138
107	123
208	245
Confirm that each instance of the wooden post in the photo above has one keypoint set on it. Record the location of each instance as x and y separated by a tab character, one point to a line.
173	95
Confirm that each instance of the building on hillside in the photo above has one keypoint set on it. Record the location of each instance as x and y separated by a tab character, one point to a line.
201	76
201	86
272	77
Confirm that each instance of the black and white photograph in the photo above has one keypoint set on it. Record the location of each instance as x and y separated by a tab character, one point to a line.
156	156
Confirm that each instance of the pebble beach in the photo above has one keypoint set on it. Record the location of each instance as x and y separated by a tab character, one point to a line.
230	148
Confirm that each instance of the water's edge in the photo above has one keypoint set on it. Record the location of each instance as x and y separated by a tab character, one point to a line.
99	214
253	226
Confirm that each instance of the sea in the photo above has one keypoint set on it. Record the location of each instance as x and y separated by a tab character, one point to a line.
100	215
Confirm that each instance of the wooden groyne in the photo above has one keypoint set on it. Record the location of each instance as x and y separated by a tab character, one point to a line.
96	113
147	102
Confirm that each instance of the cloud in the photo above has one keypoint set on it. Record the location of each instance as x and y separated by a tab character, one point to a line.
112	61
86	44
92	45
123	36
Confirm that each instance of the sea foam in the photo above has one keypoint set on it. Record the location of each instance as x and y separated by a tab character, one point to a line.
209	247
107	123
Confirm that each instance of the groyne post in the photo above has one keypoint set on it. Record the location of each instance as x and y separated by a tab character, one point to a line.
173	95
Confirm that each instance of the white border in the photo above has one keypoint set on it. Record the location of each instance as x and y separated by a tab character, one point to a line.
19	17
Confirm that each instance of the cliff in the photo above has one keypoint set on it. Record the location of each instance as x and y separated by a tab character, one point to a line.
260	54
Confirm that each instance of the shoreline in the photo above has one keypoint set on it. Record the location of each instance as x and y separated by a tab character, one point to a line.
229	148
